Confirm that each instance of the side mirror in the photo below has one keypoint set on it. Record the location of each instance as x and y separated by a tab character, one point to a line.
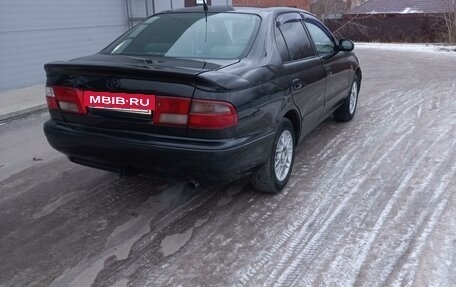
346	45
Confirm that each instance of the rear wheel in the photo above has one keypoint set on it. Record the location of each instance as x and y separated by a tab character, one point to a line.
275	172
347	110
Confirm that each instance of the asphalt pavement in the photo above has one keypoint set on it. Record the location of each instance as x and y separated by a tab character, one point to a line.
371	202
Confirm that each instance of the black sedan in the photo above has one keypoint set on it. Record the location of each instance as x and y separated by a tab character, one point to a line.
210	95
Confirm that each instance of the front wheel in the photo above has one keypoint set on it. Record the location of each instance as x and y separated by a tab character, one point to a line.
273	175
347	110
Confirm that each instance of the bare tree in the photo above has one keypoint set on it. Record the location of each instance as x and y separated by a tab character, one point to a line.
449	18
325	9
332	12
354	22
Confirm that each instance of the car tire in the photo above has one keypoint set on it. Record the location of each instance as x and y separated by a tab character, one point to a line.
274	174
347	110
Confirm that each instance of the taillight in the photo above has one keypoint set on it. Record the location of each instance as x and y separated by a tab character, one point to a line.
196	114
171	111
66	98
206	114
50	99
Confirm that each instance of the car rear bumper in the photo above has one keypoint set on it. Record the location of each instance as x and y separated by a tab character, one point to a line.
203	160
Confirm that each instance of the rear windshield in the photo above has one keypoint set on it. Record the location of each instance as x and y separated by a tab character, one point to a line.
189	35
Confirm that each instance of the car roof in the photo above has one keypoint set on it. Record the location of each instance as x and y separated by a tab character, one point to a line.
220	9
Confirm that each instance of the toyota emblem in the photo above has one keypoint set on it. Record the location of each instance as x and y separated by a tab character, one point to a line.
113	84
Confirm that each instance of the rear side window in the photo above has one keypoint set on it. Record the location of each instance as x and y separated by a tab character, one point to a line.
296	39
190	35
281	46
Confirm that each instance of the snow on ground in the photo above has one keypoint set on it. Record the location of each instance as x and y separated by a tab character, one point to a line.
426	48
409	10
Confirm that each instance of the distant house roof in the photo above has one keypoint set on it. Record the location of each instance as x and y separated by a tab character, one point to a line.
402	7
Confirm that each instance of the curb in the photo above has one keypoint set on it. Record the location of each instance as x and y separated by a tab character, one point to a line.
23	112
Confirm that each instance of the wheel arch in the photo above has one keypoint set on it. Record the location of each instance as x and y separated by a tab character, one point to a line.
359	74
294	118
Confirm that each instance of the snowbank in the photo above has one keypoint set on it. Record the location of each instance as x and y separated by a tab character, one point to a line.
425	48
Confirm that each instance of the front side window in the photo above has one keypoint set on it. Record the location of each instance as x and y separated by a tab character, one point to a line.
190	35
297	41
323	42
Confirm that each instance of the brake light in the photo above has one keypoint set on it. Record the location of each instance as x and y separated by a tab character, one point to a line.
206	114
197	114
66	98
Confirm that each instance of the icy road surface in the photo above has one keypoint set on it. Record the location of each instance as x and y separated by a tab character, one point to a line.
370	203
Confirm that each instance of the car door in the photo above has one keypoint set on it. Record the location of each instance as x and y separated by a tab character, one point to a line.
335	63
303	67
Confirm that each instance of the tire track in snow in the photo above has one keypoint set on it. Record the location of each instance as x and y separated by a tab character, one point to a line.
304	232
438	256
427	178
439	200
302	222
384	214
368	198
344	267
375	166
378	162
289	277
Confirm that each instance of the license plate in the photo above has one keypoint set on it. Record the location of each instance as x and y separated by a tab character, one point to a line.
124	102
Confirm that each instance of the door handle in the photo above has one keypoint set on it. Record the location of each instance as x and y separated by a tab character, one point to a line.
328	71
297	84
